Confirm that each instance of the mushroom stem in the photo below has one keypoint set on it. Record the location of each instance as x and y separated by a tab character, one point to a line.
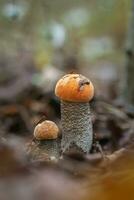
76	126
51	147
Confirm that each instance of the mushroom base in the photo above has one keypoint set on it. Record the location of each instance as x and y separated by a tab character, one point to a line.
76	126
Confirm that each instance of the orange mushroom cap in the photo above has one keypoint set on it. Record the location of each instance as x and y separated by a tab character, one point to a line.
74	88
46	130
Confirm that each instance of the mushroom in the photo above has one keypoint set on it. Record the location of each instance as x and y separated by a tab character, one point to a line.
75	92
46	133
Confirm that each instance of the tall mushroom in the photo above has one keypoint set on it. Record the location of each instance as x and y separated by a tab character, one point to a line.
75	92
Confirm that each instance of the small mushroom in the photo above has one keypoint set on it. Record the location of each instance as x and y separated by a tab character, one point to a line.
75	92
46	133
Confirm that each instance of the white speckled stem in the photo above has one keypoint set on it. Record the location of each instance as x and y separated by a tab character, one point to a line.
76	126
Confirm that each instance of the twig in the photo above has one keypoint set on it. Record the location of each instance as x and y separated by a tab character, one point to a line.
26	118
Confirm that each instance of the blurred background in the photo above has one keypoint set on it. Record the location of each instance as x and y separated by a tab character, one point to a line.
40	41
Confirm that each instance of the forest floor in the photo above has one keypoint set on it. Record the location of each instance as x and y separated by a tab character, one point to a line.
105	173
